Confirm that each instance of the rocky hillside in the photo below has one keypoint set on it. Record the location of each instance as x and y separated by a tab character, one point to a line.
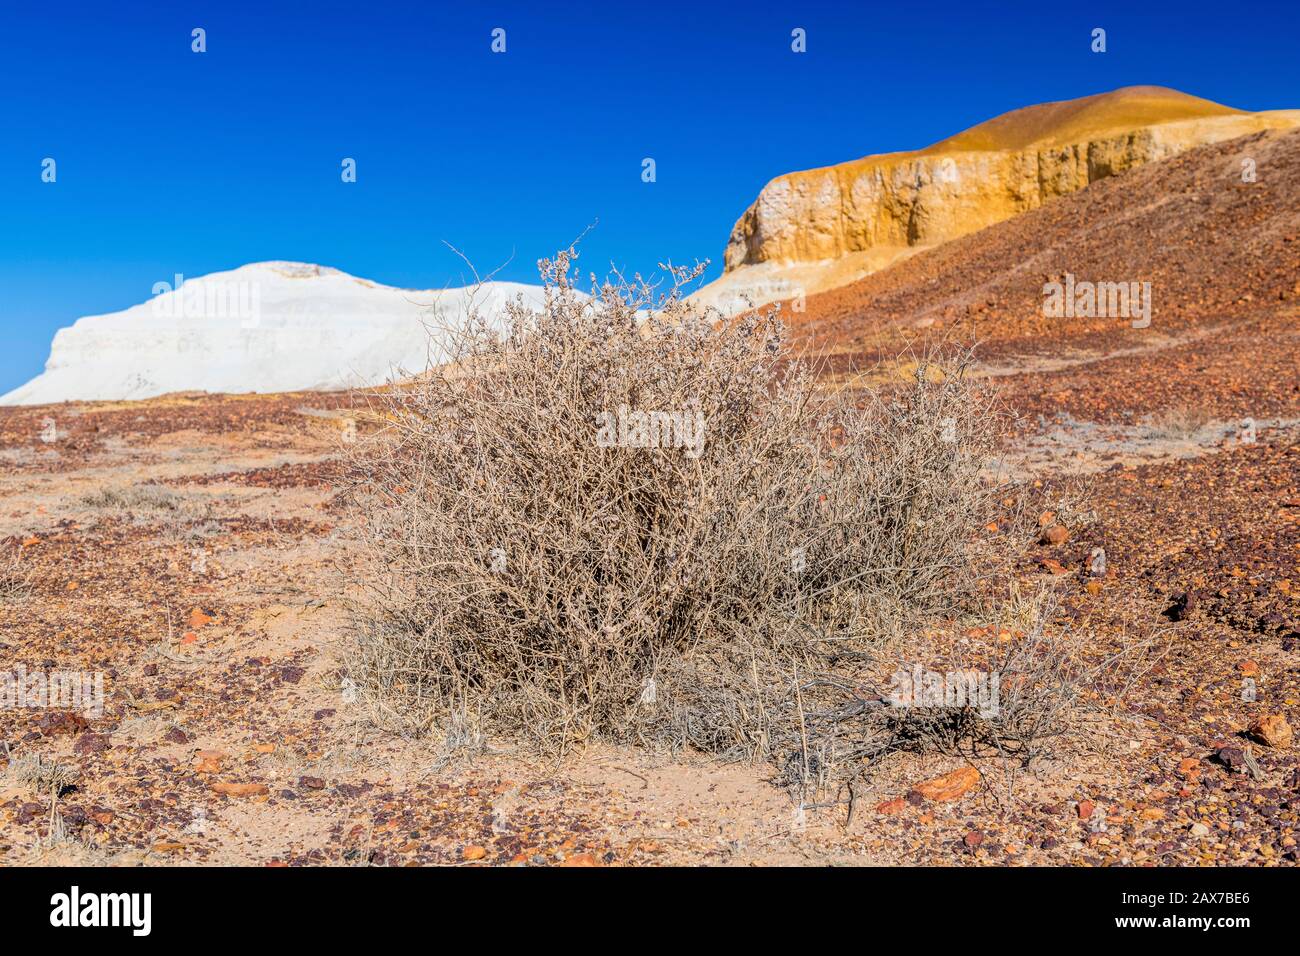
1217	251
823	228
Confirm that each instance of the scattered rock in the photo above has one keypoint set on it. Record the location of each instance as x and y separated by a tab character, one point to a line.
1054	535
240	789
1182	606
199	619
61	722
89	743
209	761
951	786
1234	758
1272	730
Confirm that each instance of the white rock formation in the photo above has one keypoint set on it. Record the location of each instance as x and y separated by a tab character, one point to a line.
264	327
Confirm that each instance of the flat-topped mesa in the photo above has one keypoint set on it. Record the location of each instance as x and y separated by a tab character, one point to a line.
821	228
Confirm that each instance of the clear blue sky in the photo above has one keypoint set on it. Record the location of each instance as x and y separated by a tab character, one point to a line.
171	161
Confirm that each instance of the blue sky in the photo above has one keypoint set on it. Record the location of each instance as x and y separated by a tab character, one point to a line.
170	161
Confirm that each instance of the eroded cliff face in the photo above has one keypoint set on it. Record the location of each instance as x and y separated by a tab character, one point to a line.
809	231
922	200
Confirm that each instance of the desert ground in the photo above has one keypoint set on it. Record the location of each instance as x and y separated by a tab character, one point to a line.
186	547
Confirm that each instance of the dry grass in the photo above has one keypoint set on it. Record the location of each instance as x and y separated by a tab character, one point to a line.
181	518
44	777
15	581
132	499
1177	424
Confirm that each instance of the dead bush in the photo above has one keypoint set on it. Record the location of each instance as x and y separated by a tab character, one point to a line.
1023	685
15	581
619	516
1177	424
133	498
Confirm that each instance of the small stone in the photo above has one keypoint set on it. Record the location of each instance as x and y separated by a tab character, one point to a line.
951	786
89	743
1055	535
240	789
1272	730
198	619
61	722
1234	758
210	761
1182	606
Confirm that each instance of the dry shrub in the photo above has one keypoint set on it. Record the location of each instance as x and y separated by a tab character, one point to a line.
15	581
133	498
1177	424
41	775
523	568
179	518
1050	683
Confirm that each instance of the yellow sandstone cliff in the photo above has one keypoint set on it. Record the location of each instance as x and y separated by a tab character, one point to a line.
821	228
